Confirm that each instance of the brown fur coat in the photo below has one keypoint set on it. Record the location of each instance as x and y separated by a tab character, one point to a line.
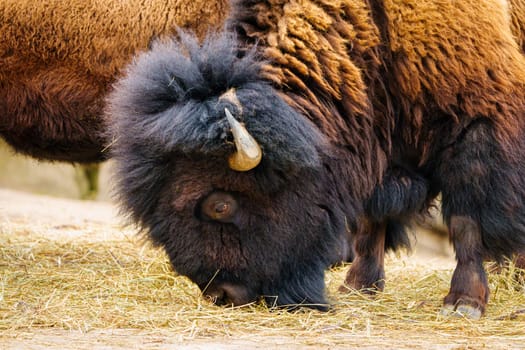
58	60
427	57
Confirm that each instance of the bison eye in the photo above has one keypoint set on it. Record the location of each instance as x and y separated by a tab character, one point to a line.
218	206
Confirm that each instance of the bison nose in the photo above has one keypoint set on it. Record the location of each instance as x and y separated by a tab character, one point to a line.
228	294
218	206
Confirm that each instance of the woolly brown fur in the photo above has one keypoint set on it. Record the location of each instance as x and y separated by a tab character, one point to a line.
58	60
516	11
437	55
458	58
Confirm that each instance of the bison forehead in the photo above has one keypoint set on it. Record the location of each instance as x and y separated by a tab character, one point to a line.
170	103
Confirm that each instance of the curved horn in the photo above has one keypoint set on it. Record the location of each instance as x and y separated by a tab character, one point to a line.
248	154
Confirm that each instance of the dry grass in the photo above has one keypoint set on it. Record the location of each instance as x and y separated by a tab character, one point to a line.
87	286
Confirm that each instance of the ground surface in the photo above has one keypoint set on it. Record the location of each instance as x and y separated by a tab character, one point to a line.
370	324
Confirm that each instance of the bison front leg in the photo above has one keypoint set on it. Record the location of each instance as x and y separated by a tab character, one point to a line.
469	289
367	271
482	178
402	195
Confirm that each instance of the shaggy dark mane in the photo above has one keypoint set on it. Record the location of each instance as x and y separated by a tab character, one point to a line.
170	100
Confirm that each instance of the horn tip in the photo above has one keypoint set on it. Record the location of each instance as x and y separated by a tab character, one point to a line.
238	163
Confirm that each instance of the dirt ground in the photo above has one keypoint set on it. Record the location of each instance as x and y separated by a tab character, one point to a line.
95	221
117	339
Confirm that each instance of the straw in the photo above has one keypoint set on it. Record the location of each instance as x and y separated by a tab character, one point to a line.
87	286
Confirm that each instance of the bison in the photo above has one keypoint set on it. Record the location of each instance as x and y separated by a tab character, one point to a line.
58	60
310	131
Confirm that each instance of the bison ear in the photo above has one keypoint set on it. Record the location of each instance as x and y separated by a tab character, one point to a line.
248	154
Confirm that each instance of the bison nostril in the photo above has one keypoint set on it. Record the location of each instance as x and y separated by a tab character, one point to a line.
216	296
219	206
228	294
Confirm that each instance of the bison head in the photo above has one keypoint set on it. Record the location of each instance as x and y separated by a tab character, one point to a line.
190	123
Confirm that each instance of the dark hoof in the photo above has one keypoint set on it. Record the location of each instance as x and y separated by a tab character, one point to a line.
461	310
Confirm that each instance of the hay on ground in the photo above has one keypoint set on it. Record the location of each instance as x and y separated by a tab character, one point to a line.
86	286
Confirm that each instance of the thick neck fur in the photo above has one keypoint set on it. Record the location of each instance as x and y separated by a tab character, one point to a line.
321	55
356	65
